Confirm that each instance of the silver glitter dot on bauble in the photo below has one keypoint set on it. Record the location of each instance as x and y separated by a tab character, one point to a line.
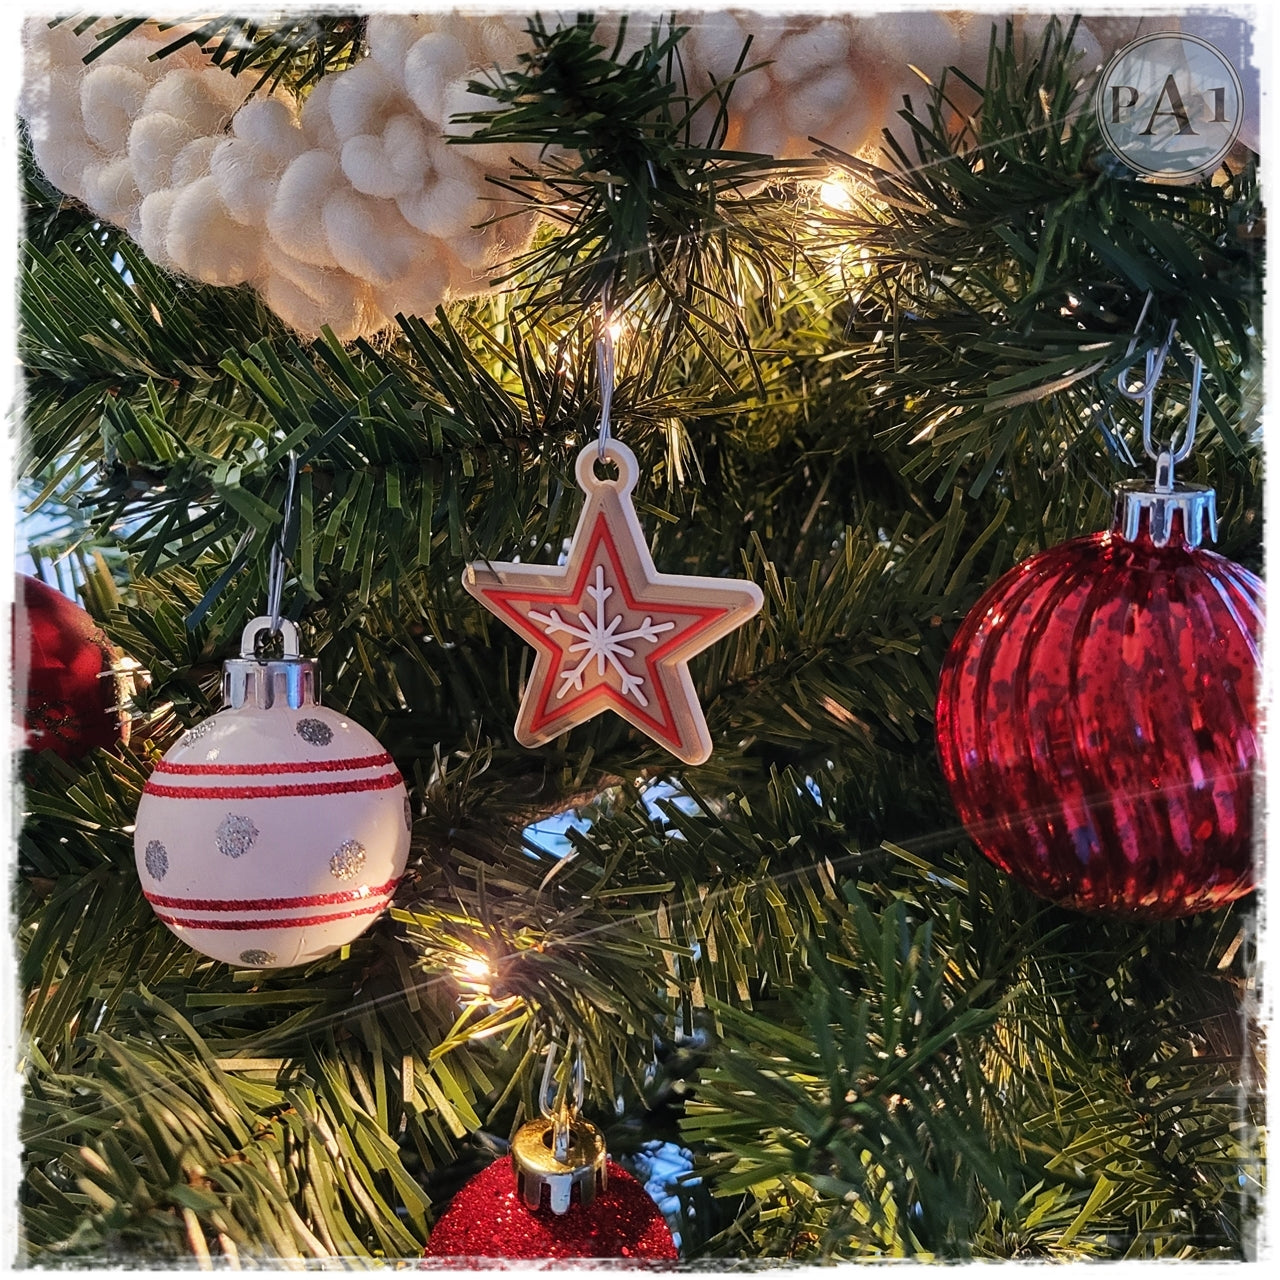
315	732
196	732
235	835
259	959
348	860
156	859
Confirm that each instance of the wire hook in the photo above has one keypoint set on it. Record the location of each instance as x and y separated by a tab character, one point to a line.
1137	328
1155	359
275	568
1144	391
548	1094
561	1113
1164	458
605	365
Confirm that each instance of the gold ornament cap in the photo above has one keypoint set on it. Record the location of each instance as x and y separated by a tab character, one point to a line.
559	1153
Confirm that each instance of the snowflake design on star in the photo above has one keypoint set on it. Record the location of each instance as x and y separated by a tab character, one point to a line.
600	641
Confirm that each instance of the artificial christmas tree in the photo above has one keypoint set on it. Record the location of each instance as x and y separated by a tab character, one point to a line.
867	372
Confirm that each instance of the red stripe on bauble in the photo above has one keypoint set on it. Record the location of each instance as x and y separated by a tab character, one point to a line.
270	904
284	923
333	788
252	770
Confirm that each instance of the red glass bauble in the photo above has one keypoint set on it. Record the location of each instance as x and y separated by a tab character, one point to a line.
66	683
1097	723
488	1219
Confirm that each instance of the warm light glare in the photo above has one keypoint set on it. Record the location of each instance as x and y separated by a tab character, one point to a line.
835	194
477	969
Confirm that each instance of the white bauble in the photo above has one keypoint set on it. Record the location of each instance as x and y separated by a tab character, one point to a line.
271	835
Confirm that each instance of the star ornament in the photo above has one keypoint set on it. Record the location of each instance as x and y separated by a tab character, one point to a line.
610	631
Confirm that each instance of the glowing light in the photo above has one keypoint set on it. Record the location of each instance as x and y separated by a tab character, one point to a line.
836	193
474	974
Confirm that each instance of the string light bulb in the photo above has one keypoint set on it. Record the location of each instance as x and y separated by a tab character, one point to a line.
835	192
474	973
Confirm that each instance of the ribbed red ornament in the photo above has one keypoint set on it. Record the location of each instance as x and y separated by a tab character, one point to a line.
488	1219
1097	723
65	679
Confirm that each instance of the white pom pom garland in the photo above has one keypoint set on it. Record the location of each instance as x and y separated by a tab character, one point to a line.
351	206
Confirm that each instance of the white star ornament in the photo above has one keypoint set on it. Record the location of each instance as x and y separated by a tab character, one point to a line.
610	631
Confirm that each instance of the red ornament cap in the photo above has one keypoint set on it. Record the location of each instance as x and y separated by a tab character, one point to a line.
489	1219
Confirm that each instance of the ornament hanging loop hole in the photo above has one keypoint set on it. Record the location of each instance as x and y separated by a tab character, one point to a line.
258	628
610	451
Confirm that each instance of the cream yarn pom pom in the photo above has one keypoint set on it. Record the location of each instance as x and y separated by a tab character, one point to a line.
342	211
352	206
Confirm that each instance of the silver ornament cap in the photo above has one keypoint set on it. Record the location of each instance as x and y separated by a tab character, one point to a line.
1139	504
290	680
559	1153
1160	502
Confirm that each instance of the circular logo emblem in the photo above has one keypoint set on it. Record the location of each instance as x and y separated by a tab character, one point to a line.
1170	106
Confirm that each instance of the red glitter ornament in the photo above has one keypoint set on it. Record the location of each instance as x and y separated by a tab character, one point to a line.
64	668
488	1219
1096	715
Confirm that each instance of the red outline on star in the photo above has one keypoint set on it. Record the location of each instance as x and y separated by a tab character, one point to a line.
661	662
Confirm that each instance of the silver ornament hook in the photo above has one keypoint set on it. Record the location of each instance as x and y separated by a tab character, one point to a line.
1165	458
605	365
275	567
1140	505
561	1111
